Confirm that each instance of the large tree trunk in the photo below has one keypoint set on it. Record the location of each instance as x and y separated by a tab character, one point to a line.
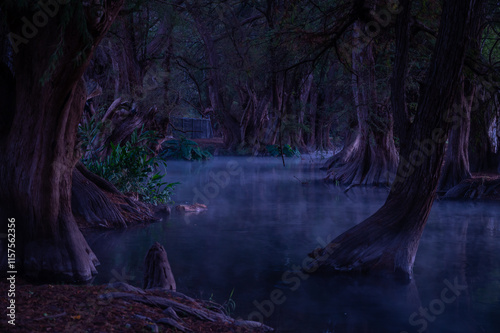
371	159
388	240
324	115
131	73
456	166
136	56
482	155
38	149
399	72
255	110
456	163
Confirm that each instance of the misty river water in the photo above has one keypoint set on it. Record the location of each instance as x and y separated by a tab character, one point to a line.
263	219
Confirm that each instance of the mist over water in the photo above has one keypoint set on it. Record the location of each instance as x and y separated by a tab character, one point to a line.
263	219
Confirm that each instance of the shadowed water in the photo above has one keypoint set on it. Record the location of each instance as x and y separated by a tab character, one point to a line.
262	221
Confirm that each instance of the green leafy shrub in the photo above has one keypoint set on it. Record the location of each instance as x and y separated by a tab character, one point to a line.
288	151
130	166
184	149
88	133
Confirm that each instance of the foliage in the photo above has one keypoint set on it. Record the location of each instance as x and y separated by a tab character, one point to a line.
130	166
184	149
288	151
227	307
88	132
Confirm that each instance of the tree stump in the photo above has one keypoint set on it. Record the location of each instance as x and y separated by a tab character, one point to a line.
158	273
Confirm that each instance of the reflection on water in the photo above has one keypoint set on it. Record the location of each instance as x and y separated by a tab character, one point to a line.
262	221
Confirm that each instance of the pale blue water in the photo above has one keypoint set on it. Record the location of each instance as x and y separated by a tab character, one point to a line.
262	222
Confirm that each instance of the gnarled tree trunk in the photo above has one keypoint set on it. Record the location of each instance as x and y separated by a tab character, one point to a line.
95	202
456	163
456	166
38	148
121	121
371	159
388	240
482	155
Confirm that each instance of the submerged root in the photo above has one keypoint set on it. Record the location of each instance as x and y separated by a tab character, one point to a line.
381	244
487	188
367	166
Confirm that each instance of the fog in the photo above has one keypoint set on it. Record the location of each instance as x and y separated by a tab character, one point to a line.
262	220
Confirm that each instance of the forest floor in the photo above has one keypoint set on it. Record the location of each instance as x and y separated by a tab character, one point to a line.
79	308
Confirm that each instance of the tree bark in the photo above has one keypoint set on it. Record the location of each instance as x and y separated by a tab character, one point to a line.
123	120
7	95
325	116
482	155
371	159
157	273
456	163
388	240
95	202
399	71
456	167
38	149
137	50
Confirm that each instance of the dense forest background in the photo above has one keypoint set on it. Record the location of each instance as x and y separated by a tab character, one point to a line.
315	75
311	75
280	72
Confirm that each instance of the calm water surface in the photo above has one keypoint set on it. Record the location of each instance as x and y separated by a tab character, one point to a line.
262	221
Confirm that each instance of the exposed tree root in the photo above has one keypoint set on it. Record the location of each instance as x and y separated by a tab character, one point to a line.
487	188
174	310
362	164
386	242
97	203
453	172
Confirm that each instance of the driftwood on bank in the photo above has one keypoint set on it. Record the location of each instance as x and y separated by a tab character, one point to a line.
157	273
